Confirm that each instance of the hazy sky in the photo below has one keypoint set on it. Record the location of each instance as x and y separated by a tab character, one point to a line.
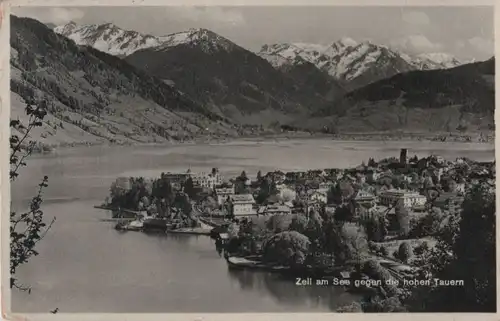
466	32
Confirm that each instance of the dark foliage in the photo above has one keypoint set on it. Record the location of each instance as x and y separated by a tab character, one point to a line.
437	88
27	228
231	77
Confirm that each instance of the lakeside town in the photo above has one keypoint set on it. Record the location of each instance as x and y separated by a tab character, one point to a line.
358	227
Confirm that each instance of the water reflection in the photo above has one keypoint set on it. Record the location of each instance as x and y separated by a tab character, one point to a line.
284	291
86	266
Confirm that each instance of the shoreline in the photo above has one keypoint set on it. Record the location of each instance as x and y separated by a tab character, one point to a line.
357	137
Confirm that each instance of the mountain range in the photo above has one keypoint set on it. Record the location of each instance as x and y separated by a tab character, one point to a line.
459	99
104	83
352	63
95	97
230	80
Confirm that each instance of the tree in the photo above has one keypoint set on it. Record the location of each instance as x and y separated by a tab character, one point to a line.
279	223
372	163
405	252
183	203
373	247
334	195
299	224
145	202
432	222
475	249
387	182
287	248
397	181
164	194
353	307
347	191
210	204
118	191
375	271
428	183
259	176
267	189
354	241
465	251
314	229
251	233
189	188
27	229
452	186
403	219
384	251
287	195
343	213
377	305
375	228
421	249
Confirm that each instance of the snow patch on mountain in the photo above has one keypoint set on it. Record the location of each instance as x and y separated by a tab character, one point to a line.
108	38
119	42
205	39
348	59
276	61
435	60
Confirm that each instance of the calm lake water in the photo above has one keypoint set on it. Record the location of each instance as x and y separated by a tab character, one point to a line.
86	266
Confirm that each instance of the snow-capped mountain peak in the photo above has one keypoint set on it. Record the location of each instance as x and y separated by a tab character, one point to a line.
436	60
348	59
440	58
65	29
107	37
206	39
114	40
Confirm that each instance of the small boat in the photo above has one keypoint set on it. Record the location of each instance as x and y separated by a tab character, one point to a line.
116	219
189	230
236	262
136	225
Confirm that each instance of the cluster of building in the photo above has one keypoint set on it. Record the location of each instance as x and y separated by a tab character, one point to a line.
200	180
373	196
244	205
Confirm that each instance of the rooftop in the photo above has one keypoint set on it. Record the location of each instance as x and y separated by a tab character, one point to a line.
400	192
276	208
242	198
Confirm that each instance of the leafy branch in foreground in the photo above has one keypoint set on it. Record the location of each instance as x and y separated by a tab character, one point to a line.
27	228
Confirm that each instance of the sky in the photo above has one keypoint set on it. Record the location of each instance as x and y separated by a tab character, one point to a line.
465	32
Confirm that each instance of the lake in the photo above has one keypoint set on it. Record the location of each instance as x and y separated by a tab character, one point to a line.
86	266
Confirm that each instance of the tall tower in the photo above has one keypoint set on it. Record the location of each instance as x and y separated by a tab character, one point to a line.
403	156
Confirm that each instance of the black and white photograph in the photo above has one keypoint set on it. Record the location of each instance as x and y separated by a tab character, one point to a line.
252	159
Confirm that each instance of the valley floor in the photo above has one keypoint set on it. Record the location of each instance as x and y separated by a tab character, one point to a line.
373	137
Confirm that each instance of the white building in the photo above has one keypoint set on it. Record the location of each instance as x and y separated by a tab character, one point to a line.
242	204
223	193
365	198
316	196
410	199
207	180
